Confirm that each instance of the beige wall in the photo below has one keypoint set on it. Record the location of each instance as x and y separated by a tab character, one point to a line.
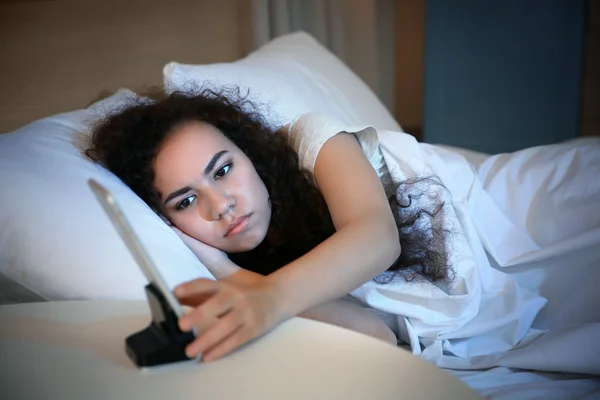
60	55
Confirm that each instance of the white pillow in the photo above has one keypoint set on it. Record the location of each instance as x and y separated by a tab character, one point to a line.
55	239
292	74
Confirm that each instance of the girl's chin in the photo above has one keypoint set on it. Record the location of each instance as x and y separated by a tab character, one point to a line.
244	247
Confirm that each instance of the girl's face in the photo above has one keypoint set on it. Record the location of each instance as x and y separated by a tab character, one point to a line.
210	190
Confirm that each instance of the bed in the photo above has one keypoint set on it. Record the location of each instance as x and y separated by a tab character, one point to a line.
57	244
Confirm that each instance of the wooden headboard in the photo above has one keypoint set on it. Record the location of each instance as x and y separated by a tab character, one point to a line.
61	55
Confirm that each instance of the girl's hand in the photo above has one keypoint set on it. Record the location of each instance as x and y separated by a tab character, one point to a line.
239	313
210	256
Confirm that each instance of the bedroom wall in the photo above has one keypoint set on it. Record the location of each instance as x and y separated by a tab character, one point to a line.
60	55
590	110
502	76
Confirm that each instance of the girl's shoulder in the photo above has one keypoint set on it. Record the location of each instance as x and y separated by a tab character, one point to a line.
309	132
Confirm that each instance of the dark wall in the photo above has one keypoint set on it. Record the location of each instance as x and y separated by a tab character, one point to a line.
503	75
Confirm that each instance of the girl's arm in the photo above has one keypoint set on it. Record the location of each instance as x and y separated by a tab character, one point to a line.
366	239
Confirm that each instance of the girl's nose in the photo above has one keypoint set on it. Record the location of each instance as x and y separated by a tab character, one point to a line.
219	204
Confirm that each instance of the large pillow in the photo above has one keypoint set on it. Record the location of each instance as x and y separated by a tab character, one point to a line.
55	239
291	75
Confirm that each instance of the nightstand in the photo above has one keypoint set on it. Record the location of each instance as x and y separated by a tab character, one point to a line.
68	350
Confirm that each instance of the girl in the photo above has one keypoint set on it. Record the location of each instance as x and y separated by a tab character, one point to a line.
289	222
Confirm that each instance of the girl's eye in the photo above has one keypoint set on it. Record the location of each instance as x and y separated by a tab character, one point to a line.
224	170
185	203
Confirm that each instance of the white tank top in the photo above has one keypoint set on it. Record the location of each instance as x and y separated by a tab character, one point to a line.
308	133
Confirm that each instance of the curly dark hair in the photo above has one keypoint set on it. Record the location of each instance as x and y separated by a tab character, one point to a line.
127	142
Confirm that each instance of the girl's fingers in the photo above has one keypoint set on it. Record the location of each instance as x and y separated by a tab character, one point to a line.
226	326
242	335
197	286
194	300
213	308
195	292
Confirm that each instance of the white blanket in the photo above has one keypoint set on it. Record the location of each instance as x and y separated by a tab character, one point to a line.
526	255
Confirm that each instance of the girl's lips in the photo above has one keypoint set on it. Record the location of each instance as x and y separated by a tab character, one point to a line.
238	226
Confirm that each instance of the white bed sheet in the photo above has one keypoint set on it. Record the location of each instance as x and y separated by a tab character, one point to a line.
523	320
503	383
537	210
565	269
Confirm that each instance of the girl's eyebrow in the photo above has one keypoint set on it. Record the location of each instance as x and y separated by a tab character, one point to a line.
176	193
209	167
213	161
